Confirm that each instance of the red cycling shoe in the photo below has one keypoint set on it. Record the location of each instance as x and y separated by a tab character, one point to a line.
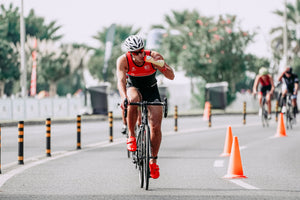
131	144
154	170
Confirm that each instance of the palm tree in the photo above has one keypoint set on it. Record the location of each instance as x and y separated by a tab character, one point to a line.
10	26
9	65
36	26
53	65
293	21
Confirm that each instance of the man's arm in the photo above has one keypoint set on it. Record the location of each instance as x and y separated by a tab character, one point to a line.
272	85
296	85
254	89
281	75
166	70
121	77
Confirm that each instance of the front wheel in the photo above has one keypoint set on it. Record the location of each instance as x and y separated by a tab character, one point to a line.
165	107
139	157
147	156
289	119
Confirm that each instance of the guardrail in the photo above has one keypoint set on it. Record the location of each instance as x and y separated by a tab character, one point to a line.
32	108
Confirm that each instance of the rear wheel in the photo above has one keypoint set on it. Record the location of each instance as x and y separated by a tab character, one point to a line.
128	152
264	116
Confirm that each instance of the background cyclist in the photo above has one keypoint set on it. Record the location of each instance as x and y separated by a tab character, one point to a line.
291	85
141	86
267	88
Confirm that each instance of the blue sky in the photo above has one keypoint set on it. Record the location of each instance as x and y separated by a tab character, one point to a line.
81	19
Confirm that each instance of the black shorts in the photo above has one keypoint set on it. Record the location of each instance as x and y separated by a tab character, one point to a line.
265	89
149	94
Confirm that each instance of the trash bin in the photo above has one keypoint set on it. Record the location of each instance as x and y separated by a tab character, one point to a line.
99	99
163	91
216	94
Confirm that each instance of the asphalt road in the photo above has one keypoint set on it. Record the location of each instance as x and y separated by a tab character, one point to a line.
189	159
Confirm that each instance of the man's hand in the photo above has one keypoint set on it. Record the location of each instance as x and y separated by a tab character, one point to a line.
150	59
123	103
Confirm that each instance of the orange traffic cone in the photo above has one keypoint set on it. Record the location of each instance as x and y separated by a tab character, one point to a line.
206	111
235	169
228	143
281	127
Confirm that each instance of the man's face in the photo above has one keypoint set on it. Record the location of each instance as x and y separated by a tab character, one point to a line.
138	55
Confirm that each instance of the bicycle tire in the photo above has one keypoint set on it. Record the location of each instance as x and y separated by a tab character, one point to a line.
147	156
289	118
128	152
139	156
263	121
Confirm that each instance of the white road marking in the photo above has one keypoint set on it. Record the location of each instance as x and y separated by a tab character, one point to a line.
219	163
244	185
41	160
37	160
243	147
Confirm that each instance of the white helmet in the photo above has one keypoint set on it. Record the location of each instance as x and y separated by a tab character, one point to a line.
133	43
263	71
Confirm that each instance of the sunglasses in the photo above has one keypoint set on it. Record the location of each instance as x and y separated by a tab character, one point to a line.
137	52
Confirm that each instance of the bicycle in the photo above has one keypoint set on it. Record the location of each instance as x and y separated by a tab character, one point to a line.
290	114
264	112
141	156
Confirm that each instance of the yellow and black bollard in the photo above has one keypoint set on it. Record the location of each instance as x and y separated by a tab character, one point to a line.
209	118
276	111
48	137
21	143
78	132
244	113
0	149
110	118
176	118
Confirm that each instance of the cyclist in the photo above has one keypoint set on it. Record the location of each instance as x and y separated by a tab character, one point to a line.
141	86
267	88
291	85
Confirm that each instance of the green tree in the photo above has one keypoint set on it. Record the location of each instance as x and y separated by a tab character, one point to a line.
37	27
78	59
293	21
9	65
53	65
204	47
9	23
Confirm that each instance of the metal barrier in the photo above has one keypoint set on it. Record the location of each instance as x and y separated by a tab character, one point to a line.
110	119
48	137
78	132
21	142
244	113
176	118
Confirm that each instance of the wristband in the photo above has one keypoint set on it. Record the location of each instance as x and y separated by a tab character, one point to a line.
164	69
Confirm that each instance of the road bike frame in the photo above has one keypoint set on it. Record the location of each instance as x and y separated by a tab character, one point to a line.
264	113
290	115
142	155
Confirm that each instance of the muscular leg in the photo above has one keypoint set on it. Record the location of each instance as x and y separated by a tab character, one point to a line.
284	97
268	98
155	119
260	99
133	96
